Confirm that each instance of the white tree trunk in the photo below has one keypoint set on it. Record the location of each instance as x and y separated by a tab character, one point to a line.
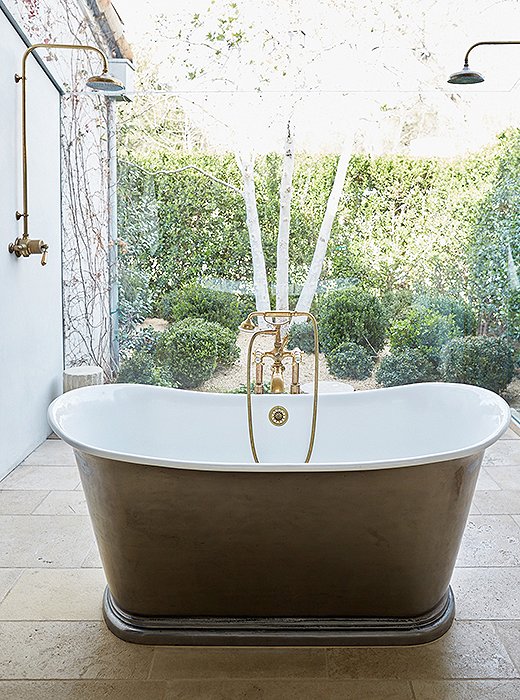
246	165
284	224
313	276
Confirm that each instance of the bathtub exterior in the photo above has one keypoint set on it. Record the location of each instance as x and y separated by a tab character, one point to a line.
216	557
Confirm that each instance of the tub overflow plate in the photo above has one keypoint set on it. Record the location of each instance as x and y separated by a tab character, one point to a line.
278	415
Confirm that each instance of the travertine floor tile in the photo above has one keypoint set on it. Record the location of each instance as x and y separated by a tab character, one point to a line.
467	690
289	690
497	502
507	478
63	503
36	478
55	594
487	593
237	662
76	650
468	650
509	634
510	434
92	560
490	540
8	578
82	690
20	502
485	482
51	452
503	452
44	540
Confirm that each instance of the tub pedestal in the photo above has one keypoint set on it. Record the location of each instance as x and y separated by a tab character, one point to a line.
279	631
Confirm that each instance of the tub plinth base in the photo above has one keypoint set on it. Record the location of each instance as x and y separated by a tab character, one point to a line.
290	631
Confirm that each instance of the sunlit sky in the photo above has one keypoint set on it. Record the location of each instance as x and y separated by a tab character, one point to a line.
445	29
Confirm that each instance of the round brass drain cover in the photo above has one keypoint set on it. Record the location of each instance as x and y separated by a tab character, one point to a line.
278	415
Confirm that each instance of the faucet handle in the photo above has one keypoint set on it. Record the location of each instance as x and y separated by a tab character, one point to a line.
44	250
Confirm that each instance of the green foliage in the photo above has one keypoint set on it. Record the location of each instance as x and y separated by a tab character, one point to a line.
196	301
449	305
483	361
494	246
225	339
301	335
396	303
187	353
140	368
407	366
350	361
423	329
354	315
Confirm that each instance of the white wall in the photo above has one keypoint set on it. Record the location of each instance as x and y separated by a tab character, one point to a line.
31	355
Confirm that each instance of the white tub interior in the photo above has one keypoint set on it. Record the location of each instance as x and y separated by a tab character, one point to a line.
382	428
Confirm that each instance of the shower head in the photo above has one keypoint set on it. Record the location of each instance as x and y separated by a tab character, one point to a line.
105	83
466	76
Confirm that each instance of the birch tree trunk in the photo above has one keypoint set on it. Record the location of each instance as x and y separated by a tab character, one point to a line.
246	165
284	224
313	276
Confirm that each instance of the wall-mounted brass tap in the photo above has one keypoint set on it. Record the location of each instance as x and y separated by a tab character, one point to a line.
278	320
24	246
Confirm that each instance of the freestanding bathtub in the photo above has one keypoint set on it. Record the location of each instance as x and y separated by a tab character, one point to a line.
200	545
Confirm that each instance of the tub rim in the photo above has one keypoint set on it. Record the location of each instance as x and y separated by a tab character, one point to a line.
276	466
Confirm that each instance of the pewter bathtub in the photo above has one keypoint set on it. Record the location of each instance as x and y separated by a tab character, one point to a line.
200	545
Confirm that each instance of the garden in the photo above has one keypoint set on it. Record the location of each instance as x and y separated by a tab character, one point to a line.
419	281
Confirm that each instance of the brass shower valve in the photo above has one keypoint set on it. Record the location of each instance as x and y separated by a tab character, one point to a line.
23	247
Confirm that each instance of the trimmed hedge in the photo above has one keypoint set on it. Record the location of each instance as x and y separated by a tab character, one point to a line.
350	361
406	366
424	330
482	360
197	301
351	315
301	335
140	368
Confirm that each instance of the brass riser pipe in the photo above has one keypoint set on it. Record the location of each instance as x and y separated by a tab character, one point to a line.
281	314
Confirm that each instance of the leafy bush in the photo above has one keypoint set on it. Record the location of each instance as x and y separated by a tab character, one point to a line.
423	329
483	360
196	301
352	315
187	353
450	305
140	368
301	335
350	360
407	366
396	303
226	347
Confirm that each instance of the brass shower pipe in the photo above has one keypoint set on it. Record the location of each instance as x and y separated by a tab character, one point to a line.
24	246
270	318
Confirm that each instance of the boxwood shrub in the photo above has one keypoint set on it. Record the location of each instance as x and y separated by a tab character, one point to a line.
140	368
424	330
197	301
225	339
350	361
351	315
301	335
481	360
406	366
450	305
190	350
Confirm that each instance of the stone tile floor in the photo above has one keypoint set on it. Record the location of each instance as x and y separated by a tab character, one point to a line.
54	645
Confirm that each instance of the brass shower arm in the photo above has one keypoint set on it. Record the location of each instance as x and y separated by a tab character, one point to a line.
85	47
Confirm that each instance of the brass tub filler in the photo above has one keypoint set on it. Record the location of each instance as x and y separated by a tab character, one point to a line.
278	415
